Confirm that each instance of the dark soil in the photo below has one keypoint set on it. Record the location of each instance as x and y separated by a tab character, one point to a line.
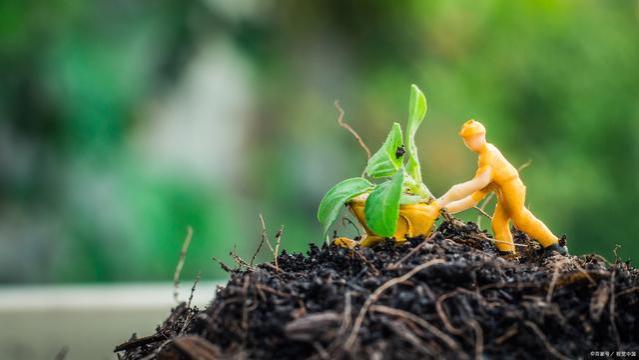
450	296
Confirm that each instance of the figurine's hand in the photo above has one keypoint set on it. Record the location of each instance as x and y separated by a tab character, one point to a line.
436	204
460	191
466	203
441	202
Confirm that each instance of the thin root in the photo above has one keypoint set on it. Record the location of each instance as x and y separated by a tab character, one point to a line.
551	349
350	341
417	248
449	341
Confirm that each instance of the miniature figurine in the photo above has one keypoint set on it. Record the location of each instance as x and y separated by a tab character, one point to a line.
496	174
401	206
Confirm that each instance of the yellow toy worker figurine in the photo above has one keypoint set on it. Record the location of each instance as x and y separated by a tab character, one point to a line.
496	174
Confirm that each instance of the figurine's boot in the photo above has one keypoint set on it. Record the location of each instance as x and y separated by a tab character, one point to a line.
550	250
501	229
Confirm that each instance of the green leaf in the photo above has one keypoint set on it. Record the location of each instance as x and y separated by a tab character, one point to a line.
382	206
337	196
385	161
417	108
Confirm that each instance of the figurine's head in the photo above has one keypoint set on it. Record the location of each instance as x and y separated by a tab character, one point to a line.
474	135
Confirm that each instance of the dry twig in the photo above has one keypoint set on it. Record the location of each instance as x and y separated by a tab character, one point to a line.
278	242
196	347
189	315
442	314
551	349
350	341
264	234
403	332
512	331
482	212
269	289
262	240
346	317
479	338
245	309
417	248
239	261
553	281
342	123
612	305
370	265
323	354
197	280
628	291
222	264
583	271
180	264
481	236
483	206
137	342
450	342
347	220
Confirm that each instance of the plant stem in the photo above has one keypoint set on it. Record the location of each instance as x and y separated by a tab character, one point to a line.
417	188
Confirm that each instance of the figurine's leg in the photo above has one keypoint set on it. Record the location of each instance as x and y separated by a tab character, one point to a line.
502	230
527	222
515	193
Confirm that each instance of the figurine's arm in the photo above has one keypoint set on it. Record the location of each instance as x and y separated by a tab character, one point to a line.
460	191
467	202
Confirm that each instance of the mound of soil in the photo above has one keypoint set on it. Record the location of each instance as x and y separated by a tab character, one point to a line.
449	296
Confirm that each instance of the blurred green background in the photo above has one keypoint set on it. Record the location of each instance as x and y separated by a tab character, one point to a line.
121	123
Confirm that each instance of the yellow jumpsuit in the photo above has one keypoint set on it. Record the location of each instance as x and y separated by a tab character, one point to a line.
511	198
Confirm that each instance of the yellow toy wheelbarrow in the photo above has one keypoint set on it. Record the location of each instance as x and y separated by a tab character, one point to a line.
414	220
402	197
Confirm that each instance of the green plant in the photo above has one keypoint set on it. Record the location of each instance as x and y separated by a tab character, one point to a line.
397	164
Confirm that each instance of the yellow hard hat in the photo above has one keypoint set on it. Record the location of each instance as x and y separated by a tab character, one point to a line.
471	128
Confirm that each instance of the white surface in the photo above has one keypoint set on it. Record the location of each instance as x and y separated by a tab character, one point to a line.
83	297
36	322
